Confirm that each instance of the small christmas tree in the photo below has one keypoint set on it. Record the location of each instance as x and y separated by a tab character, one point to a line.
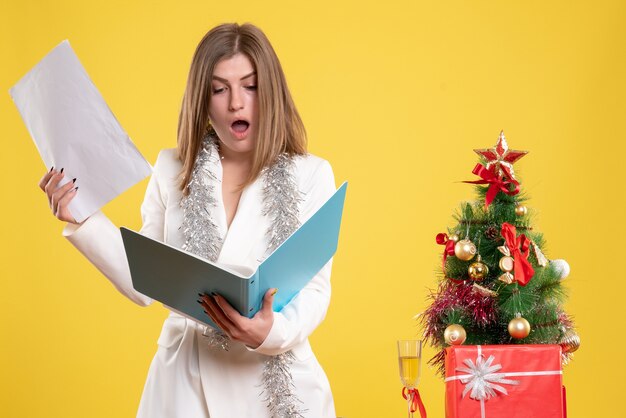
497	286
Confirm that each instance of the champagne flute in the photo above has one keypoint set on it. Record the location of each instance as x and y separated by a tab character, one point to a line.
409	362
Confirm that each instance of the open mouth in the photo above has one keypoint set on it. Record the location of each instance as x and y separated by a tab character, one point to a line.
240	126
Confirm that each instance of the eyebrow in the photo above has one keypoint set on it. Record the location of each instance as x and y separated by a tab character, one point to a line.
223	80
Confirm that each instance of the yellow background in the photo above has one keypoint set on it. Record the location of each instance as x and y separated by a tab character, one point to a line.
395	95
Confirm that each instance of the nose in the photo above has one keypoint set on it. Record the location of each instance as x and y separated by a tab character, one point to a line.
236	101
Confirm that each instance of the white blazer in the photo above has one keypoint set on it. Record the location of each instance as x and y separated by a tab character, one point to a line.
187	378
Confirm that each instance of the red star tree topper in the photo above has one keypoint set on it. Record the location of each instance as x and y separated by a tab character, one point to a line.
500	158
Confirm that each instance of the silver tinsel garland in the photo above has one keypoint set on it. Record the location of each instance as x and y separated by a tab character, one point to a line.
201	235
278	382
281	199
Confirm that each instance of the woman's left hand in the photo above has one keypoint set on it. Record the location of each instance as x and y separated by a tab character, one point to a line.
250	331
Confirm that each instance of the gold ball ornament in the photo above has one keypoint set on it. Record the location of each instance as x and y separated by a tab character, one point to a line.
453	238
454	334
519	328
465	250
570	341
478	270
521	210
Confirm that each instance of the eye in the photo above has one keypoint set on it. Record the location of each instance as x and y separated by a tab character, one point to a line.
251	87
218	90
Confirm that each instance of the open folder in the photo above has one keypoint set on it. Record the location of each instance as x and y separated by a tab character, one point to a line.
175	277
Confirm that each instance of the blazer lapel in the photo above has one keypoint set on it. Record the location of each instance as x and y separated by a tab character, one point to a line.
245	241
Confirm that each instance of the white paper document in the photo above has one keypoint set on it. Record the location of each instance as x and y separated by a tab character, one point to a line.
73	128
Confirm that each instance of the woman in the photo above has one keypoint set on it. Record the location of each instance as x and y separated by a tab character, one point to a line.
238	184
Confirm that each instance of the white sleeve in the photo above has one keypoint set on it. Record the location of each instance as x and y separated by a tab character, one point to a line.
100	240
299	318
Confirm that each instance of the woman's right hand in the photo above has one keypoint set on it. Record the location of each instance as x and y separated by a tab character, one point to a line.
59	197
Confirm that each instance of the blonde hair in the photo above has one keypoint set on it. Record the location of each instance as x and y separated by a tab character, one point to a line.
280	127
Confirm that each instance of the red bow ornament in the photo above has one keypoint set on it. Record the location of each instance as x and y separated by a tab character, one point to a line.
443	239
416	401
518	247
496	183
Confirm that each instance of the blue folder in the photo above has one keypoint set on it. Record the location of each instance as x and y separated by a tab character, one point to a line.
175	277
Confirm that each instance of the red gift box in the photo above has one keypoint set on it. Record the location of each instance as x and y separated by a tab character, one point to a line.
504	381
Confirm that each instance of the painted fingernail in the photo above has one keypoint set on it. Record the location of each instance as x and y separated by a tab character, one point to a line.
199	301
76	188
213	294
274	292
62	169
51	168
74	180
